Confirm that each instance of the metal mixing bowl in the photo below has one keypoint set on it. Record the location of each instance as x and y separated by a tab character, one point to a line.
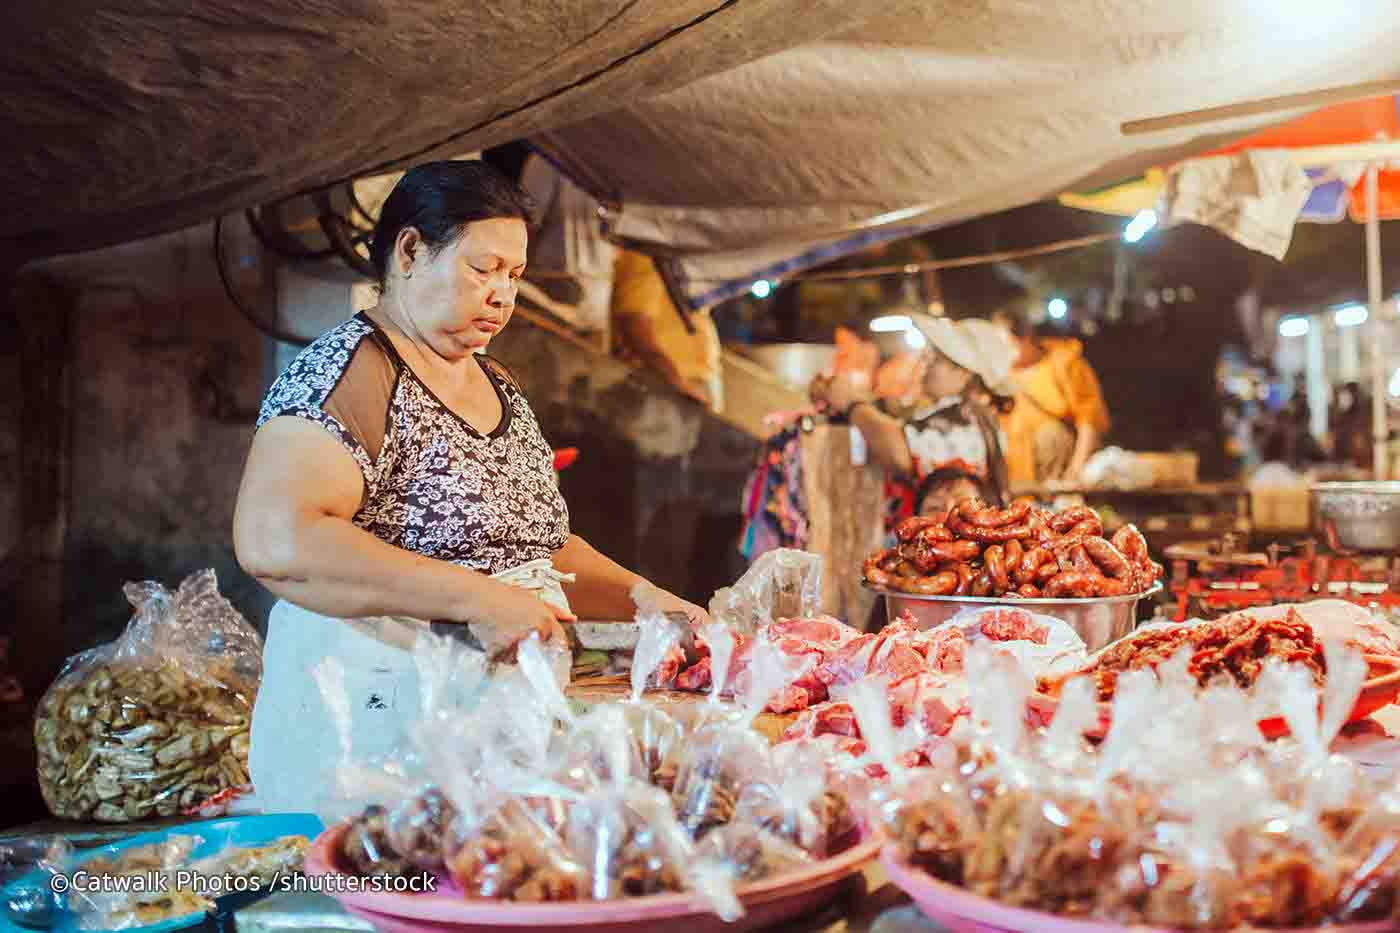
1358	516
1099	622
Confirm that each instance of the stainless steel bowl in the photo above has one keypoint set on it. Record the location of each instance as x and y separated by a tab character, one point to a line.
1099	622
1358	516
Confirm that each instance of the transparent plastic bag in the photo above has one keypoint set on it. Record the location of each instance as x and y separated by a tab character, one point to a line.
1043	645
151	895
155	722
798	806
513	854
27	866
781	584
719	760
748	853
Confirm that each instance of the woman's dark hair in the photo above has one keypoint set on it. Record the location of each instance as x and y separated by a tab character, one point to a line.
1002	404
438	199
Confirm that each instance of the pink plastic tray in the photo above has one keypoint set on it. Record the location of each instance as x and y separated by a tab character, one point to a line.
964	912
765	903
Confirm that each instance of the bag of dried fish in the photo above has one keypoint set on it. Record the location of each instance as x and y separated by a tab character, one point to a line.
155	722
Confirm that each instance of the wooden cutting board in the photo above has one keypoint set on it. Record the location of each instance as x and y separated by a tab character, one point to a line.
611	689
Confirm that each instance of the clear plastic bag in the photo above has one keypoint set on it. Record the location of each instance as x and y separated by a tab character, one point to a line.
798	805
513	854
1043	645
155	722
781	584
719	760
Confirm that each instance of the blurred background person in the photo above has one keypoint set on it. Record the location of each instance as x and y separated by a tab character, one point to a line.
1060	417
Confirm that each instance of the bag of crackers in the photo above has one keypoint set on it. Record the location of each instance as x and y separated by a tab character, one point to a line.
155	723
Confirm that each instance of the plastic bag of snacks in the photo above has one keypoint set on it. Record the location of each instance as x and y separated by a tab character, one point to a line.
156	722
1184	817
797	805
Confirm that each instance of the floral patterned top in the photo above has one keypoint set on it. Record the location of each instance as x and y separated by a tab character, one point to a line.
957	449
433	484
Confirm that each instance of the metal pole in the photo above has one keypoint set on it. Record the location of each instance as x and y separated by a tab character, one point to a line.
1379	429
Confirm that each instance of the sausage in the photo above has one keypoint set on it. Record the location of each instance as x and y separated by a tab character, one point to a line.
941	584
874	572
933	534
959	551
958	526
889	562
1014	553
1028	591
907	568
994	559
1109	587
1047	572
1110	560
1079	558
907	529
996	518
1031	562
1067	519
1073	585
965	575
982	586
1131	542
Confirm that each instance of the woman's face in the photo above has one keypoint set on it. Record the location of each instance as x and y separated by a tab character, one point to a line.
943	377
460	298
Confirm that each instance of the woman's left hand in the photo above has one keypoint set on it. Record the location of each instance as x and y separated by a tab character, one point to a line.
670	603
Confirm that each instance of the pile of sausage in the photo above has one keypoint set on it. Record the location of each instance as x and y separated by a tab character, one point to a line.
1021	551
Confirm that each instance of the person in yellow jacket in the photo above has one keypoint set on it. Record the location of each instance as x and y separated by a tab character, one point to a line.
647	327
1060	417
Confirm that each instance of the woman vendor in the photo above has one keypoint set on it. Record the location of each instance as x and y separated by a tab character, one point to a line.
950	449
398	474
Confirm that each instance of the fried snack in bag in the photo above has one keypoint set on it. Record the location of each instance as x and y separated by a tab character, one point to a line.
155	722
512	854
797	806
749	853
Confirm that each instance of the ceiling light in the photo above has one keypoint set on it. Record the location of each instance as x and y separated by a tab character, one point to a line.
891	324
1057	308
915	338
1294	327
1140	225
762	288
1350	316
1395	384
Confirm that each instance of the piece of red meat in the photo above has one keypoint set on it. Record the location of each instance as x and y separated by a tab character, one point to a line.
850	663
814	631
789	700
943	649
695	677
666	671
896	660
1014	625
902	627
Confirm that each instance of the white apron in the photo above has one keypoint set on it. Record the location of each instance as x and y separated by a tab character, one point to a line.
295	745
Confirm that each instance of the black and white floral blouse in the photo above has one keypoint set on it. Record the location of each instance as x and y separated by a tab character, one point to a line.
433	483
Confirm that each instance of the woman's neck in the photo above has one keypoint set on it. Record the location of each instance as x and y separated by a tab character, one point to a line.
413	345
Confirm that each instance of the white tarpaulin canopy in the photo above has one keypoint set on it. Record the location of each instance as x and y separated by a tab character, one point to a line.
740	139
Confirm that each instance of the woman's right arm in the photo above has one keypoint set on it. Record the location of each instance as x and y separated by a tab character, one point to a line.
885	435
292	531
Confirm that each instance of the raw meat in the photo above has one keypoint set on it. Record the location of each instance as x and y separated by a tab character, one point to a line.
1015	625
